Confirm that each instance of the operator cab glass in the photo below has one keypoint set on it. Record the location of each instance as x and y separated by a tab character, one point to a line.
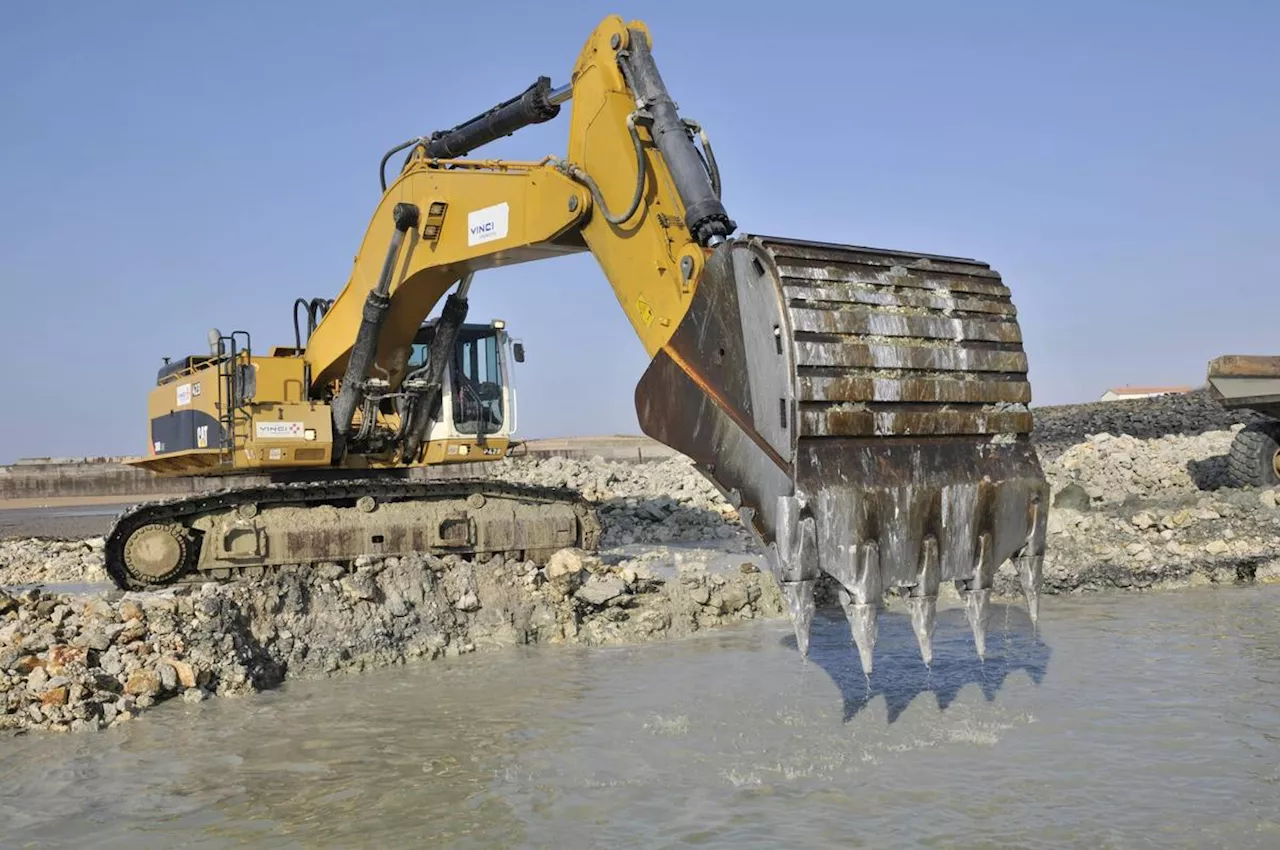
477	382
476	377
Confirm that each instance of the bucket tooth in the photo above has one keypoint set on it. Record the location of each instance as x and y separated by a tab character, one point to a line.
1031	577
977	607
862	626
799	596
923	615
794	557
860	599
923	601
977	597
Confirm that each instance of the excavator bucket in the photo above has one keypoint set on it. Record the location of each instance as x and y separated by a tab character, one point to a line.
867	412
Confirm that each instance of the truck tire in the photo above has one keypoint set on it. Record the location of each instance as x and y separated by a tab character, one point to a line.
1255	456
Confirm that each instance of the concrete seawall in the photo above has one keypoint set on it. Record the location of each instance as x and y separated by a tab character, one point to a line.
638	449
69	478
65	478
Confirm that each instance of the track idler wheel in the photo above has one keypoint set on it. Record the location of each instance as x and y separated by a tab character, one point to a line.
157	553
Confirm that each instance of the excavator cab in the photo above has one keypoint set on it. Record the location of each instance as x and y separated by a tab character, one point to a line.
478	398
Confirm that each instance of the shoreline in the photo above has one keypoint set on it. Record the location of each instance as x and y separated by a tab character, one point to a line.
82	659
92	660
1147	511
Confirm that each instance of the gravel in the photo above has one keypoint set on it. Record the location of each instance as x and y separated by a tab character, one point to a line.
35	560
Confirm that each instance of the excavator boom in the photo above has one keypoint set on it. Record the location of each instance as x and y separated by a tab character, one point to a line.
866	410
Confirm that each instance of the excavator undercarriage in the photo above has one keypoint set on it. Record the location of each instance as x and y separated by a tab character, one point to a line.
245	531
865	410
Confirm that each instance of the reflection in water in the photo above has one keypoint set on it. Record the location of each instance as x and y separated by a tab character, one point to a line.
899	674
1154	726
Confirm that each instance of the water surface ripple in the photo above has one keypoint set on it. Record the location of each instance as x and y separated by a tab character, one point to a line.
1130	721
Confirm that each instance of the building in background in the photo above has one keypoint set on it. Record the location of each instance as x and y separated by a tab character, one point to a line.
1121	393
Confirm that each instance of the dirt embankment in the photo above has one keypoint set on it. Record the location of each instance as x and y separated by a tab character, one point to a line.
1187	414
1135	513
89	661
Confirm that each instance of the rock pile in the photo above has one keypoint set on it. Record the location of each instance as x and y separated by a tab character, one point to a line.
1188	414
601	480
1113	469
1141	497
34	560
1225	537
89	661
640	502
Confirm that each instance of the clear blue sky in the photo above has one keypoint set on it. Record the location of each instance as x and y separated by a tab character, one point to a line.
168	167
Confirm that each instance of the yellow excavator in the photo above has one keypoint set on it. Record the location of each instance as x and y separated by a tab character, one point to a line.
865	410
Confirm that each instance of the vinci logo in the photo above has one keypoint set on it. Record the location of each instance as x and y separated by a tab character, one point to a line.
272	429
487	224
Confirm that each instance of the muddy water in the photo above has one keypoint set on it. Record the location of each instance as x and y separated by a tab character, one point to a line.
66	522
1136	721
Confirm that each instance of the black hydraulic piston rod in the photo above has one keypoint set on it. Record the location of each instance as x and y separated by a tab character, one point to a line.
706	217
366	345
534	105
427	402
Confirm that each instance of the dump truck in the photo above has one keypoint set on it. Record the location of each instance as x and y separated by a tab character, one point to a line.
1250	382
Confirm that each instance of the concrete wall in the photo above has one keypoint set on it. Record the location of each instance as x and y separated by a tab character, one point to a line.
47	478
26	480
638	449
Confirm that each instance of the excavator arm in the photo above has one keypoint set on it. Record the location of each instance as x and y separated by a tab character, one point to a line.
866	410
613	195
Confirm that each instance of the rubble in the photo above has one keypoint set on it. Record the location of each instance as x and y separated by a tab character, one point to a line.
1136	505
657	502
1183	414
88	661
1115	468
1141	499
35	560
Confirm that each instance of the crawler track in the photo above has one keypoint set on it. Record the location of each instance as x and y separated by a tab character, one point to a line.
456	496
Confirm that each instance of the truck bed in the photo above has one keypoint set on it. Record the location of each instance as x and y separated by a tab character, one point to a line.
1247	381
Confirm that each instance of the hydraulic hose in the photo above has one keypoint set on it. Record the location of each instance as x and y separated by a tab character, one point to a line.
705	216
365	345
382	166
425	406
642	170
297	329
709	159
